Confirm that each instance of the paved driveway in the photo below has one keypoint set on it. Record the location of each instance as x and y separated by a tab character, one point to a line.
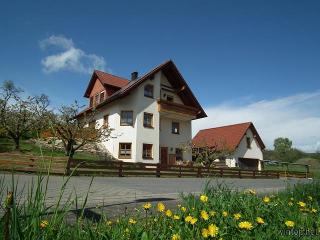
115	193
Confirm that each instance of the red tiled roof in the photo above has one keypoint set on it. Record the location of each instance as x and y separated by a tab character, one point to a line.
228	136
169	69
105	79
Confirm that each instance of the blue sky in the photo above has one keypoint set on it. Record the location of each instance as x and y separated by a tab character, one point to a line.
233	54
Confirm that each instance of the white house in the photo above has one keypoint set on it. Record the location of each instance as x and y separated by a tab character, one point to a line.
243	139
151	115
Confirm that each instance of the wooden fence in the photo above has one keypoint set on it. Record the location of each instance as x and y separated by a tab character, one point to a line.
124	169
60	165
29	163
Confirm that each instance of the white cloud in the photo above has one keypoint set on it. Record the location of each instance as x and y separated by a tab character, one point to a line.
296	117
70	58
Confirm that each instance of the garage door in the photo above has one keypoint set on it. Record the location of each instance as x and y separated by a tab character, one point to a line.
248	163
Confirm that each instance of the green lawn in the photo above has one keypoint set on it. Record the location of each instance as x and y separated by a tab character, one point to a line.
27	147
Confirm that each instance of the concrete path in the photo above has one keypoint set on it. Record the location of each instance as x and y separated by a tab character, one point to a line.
117	193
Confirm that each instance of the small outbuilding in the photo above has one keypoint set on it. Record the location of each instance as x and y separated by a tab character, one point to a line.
242	139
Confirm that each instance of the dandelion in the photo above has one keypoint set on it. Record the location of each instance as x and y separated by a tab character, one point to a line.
310	198
259	220
147	206
301	204
213	230
203	198
176	236
176	217
313	210
161	207
188	218
289	223
290	203
204	233
183	209
224	213
204	215
132	221
237	216
212	213
44	224
168	213
193	221
245	225
109	223
266	199
250	191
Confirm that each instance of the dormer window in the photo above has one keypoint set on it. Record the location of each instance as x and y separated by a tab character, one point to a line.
169	98
148	91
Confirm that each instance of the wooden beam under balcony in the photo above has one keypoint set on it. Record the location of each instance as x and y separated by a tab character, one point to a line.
166	106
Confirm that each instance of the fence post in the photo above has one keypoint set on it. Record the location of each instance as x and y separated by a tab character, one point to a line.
307	171
179	171
8	205
239	173
199	172
221	172
120	170
158	170
254	173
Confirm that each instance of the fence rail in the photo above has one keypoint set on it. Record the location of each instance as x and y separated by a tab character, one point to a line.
60	165
121	169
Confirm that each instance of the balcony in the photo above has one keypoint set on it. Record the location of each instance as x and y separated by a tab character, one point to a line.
176	110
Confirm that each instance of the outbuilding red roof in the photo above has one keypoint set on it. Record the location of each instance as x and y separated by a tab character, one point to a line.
225	136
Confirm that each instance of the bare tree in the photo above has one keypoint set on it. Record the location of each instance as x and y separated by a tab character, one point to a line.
207	154
77	130
21	115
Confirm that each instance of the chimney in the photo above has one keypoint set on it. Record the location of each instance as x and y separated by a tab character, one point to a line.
134	75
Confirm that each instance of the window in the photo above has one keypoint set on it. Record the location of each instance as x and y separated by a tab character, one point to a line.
148	120
248	142
124	150
106	120
91	101
101	97
126	118
147	151
148	91
169	98
96	99
175	128
179	154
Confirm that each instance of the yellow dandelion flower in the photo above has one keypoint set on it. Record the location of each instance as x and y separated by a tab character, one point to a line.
290	203
176	217
188	218
313	210
245	225
224	213
301	204
250	191
266	199
205	233
168	213
132	221
176	236
259	220
44	224
212	213
147	206
289	224
161	207
183	209
204	215
237	216
213	230
193	221
203	198
109	223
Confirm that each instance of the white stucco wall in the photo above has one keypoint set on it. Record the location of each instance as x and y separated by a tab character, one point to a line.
138	134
